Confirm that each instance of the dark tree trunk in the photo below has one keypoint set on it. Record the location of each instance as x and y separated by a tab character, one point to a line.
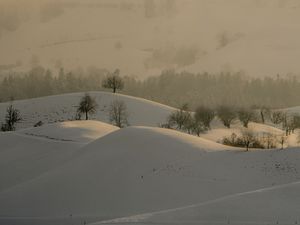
86	115
262	116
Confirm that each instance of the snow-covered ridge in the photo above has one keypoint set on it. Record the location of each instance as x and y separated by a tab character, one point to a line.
60	108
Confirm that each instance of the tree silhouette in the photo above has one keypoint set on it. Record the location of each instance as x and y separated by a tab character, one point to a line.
245	116
12	117
87	105
118	113
205	116
113	81
227	115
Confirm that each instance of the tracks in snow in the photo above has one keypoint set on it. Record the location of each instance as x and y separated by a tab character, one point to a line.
141	217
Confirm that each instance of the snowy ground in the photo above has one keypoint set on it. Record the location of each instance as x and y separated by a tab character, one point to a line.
60	108
89	171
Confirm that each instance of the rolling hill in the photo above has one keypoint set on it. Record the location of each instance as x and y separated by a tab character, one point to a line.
77	172
63	107
141	169
29	153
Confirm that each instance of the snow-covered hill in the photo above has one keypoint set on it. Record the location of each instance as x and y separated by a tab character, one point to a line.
29	153
74	172
71	131
57	108
140	169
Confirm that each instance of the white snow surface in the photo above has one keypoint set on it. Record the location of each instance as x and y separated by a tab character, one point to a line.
73	131
89	171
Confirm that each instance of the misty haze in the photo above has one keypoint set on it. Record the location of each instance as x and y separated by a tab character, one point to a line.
149	112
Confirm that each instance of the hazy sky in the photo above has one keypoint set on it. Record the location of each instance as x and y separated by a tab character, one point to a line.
142	37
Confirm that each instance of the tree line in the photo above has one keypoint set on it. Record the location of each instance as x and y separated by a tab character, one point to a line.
212	90
200	121
40	82
170	87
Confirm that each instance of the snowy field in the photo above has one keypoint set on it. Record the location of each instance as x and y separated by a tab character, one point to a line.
90	172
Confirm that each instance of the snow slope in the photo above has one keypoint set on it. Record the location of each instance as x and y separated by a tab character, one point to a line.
277	204
74	131
140	169
29	153
23	158
63	107
76	171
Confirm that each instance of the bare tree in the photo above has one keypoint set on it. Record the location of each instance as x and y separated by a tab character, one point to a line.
205	116
245	116
264	113
290	123
11	118
227	115
248	138
118	114
198	127
188	124
113	81
269	139
180	117
295	122
282	140
87	105
287	123
277	117
194	126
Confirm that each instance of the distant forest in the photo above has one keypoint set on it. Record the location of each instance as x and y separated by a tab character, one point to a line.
170	87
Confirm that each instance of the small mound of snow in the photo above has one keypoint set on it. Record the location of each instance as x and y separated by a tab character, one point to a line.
76	131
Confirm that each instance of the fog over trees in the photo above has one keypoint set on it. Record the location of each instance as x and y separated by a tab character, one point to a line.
170	87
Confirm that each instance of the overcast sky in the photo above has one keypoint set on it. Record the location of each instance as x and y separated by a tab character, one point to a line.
260	37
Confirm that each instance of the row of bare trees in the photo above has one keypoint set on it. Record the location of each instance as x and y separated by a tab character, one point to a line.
249	139
192	123
200	120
